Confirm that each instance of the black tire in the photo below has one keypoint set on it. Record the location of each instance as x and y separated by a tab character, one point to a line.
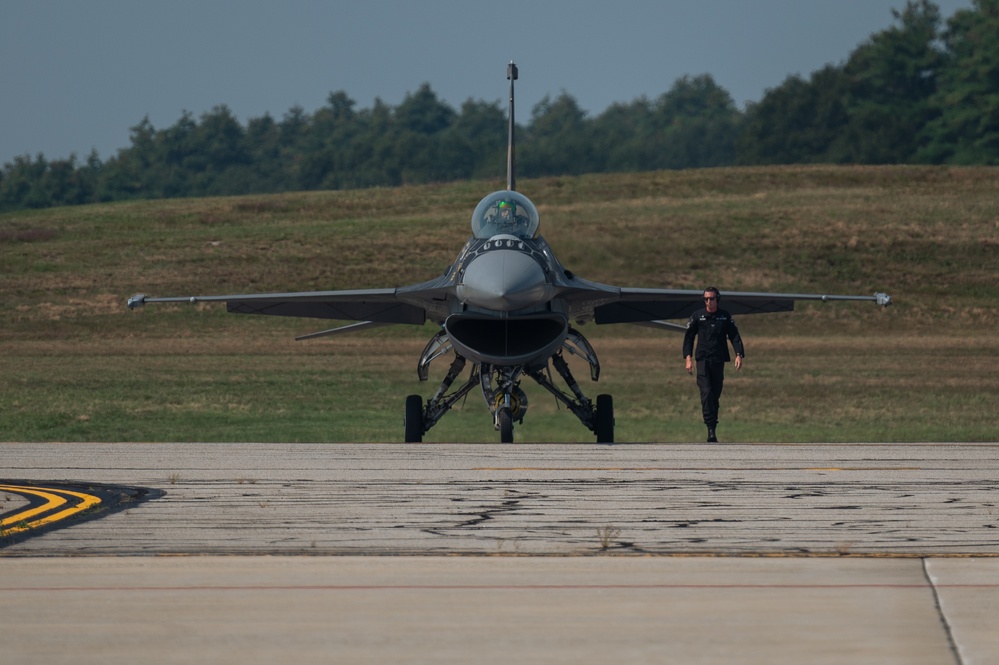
414	419
506	426
604	419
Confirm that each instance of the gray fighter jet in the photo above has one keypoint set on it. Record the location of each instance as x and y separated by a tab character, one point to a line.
506	307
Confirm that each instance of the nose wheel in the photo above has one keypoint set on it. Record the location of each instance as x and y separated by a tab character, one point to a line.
505	421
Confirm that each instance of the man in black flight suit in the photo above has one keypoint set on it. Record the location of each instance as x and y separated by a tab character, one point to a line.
711	326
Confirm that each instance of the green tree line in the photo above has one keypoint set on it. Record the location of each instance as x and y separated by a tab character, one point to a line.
924	90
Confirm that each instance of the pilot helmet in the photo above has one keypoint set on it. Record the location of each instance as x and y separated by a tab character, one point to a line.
505	207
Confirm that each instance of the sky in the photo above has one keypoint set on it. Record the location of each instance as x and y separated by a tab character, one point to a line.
76	75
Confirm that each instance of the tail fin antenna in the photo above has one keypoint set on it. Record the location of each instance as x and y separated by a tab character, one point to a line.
511	179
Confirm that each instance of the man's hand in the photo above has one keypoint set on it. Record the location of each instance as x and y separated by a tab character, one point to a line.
690	365
738	363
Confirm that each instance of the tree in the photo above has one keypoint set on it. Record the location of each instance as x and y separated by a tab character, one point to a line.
621	137
870	110
22	184
263	144
423	113
695	124
966	129
374	150
556	141
797	122
482	127
219	138
890	80
127	175
325	162
176	160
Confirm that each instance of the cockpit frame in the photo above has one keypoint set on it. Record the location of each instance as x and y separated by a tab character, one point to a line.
505	212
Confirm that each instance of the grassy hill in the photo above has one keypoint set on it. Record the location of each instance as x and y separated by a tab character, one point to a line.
79	366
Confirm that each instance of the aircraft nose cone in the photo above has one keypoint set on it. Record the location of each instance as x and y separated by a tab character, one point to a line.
504	280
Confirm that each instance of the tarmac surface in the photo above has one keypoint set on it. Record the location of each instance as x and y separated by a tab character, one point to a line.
548	553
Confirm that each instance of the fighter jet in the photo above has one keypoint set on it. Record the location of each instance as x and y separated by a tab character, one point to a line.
508	308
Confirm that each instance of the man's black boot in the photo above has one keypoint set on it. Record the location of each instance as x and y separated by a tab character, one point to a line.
711	435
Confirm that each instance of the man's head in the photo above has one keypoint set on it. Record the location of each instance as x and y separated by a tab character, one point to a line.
505	210
711	298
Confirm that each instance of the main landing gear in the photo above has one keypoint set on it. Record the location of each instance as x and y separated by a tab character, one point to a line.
500	388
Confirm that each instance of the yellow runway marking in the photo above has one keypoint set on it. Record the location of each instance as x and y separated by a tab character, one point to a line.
54	499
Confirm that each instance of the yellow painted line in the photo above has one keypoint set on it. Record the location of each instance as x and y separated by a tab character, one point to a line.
54	499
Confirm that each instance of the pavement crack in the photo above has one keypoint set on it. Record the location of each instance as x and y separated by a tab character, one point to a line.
948	630
508	506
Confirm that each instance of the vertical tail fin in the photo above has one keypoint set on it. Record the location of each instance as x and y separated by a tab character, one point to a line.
511	179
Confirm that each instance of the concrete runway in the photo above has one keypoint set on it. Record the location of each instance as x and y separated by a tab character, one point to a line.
573	553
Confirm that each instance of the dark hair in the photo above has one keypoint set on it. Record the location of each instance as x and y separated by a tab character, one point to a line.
717	293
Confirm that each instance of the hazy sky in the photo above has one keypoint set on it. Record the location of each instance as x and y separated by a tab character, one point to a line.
77	74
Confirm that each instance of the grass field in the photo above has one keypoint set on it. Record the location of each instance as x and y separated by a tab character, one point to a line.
78	366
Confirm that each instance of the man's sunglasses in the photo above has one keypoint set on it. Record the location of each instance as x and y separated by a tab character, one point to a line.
707	298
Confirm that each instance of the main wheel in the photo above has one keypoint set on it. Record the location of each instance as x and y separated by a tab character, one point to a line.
506	426
414	419
604	419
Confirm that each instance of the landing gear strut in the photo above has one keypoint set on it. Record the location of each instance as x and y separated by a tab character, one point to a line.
500	387
507	402
598	419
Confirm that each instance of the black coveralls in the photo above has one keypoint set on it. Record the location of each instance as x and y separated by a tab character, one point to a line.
711	355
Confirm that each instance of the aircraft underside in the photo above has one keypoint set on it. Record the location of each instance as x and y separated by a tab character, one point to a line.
499	384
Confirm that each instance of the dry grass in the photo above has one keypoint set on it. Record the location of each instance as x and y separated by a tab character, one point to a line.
78	365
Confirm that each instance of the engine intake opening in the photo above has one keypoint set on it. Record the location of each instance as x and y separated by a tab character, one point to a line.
506	341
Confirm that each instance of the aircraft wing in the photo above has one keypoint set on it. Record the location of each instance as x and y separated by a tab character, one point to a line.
410	304
638	305
589	301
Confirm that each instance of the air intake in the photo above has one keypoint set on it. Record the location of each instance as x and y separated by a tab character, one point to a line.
522	340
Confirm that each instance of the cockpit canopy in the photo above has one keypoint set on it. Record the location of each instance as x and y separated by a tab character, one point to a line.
505	212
